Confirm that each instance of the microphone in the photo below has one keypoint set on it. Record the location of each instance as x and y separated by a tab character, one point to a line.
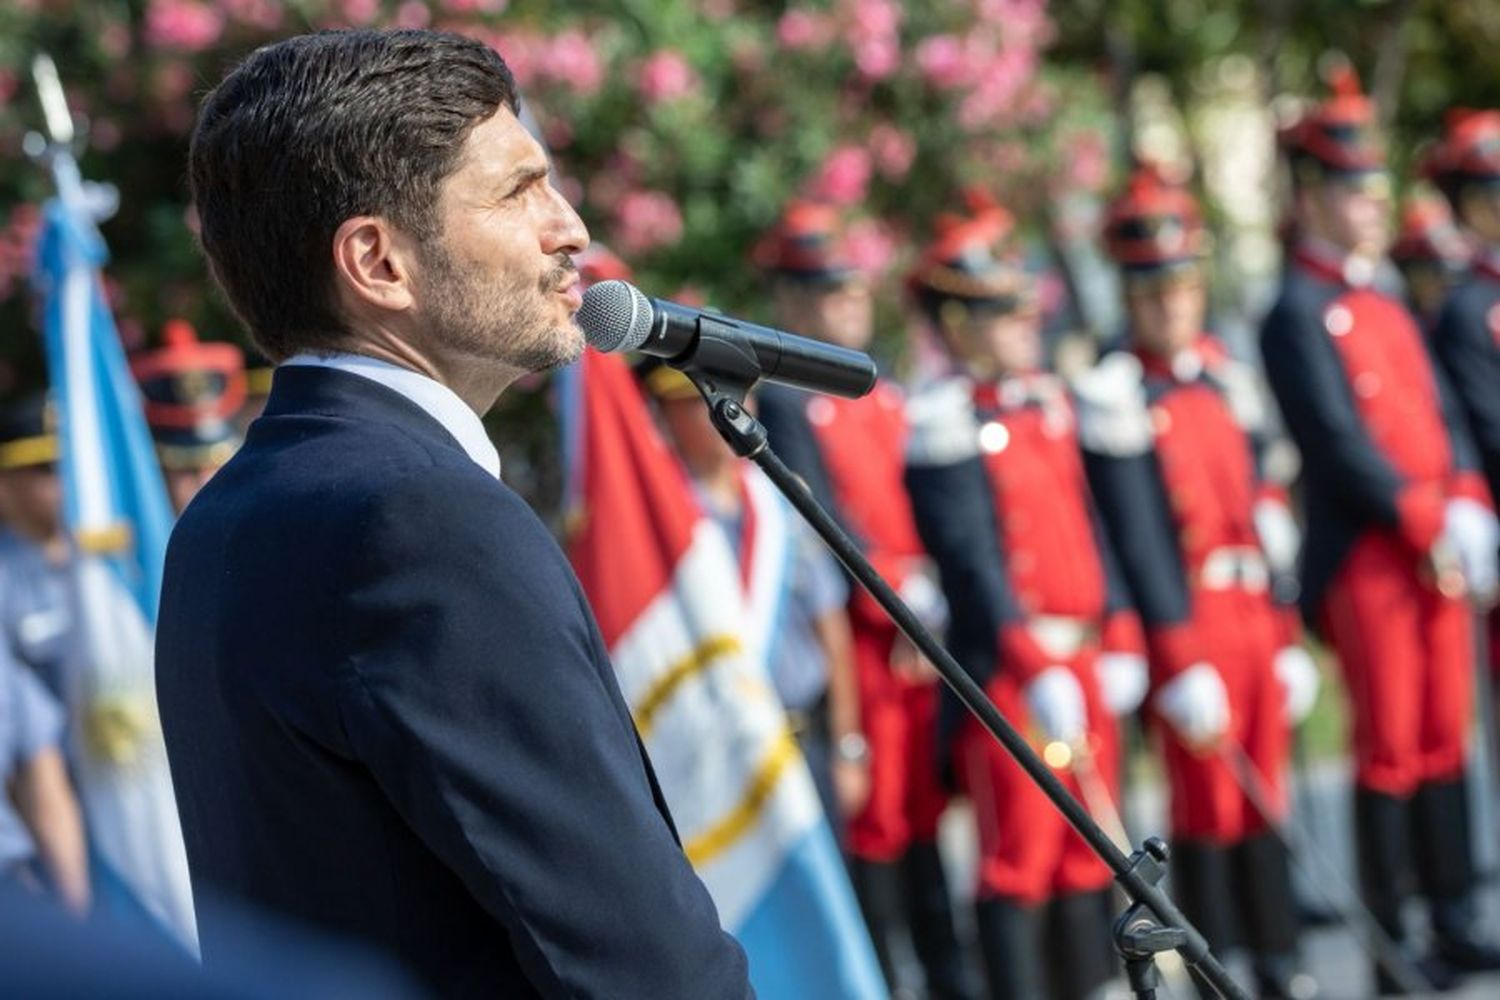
617	316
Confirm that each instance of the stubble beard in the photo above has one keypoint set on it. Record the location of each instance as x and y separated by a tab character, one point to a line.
508	323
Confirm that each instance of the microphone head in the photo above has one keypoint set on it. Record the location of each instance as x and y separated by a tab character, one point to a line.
615	316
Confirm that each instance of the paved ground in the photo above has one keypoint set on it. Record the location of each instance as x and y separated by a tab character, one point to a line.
1333	953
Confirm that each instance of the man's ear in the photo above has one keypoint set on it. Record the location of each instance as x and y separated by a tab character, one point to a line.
372	264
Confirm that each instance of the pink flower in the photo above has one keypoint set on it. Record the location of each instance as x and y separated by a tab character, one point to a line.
184	25
558	133
843	177
646	220
413	14
666	76
943	62
877	58
892	150
803	30
717	10
1000	83
571	60
359	13
263	14
1087	161
874	17
524	53
1024	22
607	186
474	6
871	246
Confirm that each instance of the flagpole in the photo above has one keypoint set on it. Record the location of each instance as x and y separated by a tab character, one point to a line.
1152	924
117	517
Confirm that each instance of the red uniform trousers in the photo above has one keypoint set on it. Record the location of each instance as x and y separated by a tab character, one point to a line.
1242	634
900	724
1027	851
1406	653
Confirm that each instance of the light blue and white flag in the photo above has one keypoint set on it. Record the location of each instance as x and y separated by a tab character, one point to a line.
688	634
119	517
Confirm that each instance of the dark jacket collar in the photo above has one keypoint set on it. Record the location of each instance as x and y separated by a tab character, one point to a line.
298	390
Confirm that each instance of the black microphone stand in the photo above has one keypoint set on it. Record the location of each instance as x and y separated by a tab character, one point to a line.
724	373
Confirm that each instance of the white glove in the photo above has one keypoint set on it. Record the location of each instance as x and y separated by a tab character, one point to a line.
1280	538
925	598
1471	528
1299	676
1122	681
1055	700
1196	704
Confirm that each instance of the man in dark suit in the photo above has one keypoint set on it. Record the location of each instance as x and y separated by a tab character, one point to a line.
388	708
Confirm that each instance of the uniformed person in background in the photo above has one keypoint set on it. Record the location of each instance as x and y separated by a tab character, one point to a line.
1398	527
42	842
1040	616
1466	167
193	392
1171	428
1432	255
851	452
783	566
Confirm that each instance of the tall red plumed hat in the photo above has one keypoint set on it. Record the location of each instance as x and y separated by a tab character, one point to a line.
192	391
1338	134
806	244
1469	150
1428	235
1154	225
972	259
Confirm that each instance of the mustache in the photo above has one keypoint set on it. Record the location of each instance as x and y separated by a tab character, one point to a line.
559	273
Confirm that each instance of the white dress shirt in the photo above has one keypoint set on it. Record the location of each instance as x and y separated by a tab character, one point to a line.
437	400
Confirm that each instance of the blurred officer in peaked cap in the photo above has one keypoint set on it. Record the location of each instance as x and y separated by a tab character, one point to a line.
1465	165
1432	255
193	391
1173	429
1399	527
1040	616
851	452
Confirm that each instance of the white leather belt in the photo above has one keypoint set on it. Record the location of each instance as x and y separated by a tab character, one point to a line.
1235	567
1059	636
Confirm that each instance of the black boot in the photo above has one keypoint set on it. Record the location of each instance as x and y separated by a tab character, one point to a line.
1268	914
1080	945
1204	890
877	886
1445	870
1382	842
929	913
1009	934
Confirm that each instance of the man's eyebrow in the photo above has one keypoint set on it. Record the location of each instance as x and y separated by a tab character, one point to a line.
523	175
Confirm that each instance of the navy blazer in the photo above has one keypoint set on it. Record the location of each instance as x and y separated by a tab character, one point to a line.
389	713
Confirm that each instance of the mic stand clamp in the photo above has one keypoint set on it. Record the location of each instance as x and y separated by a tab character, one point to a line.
1139	935
724	376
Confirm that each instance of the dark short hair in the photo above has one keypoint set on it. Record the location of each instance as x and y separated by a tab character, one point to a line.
314	130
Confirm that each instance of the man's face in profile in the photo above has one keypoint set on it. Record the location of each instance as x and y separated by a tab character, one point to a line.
498	282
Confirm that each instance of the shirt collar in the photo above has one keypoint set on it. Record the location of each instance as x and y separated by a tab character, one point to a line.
437	400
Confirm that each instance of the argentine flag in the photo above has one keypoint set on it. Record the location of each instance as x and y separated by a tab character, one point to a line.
688	644
118	515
